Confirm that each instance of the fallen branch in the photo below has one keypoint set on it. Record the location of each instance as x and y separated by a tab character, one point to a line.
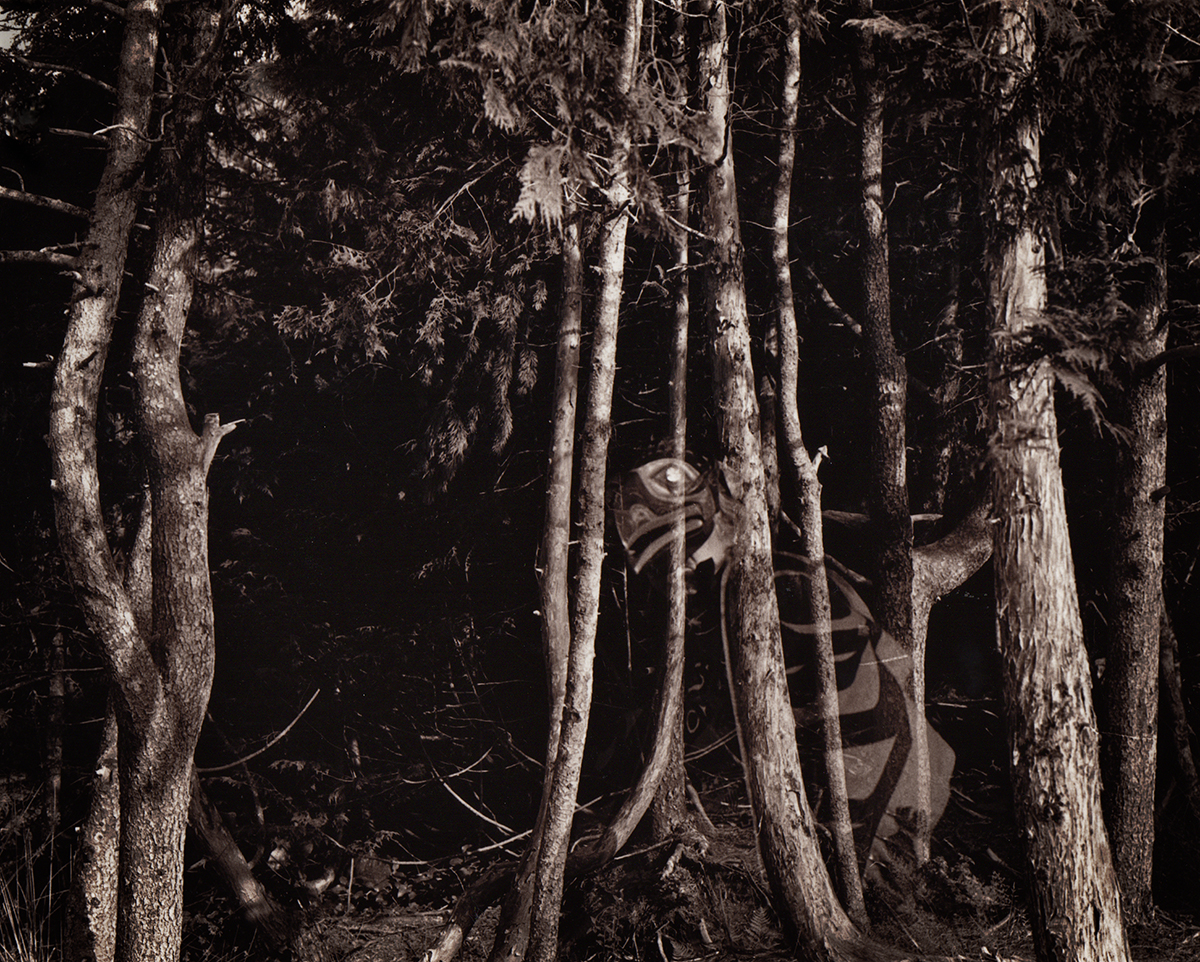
274	741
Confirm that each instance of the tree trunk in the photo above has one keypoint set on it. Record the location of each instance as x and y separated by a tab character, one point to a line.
79	517
552	856
156	759
512	931
1076	905
92	904
1129	686
669	812
808	487
226	859
784	827
162	673
887	490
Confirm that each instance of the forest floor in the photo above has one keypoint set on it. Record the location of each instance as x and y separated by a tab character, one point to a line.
667	903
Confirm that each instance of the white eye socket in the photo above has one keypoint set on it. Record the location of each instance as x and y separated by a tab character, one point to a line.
673	475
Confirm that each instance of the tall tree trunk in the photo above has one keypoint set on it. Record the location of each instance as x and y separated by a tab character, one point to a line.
808	487
669	811
512	931
784	828
1129	686
79	516
162	672
552	856
887	492
156	759
1076	905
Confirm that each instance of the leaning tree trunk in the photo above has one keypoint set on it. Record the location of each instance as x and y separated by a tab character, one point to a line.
784	826
1129	686
1076	905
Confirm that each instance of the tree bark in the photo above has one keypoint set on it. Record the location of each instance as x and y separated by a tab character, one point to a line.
79	517
156	759
887	490
669	812
552	856
512	931
784	827
1129	686
1076	905
161	667
803	474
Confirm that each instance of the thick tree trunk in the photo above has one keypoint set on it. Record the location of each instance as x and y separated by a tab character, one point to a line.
1076	905
1129	686
156	760
784	827
161	666
803	474
79	516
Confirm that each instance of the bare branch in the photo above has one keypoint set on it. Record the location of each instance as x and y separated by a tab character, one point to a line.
274	741
819	291
114	9
36	200
57	68
56	258
1150	365
77	135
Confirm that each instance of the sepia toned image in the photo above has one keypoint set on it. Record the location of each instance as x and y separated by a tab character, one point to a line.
581	480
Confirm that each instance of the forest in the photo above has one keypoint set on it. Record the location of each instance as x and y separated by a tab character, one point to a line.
599	479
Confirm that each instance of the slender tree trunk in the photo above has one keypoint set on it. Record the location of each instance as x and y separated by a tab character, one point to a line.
1129	687
552	857
1076	905
669	811
92	905
512	932
887	493
808	487
1181	732
784	827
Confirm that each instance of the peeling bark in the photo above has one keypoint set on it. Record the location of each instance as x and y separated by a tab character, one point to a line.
1076	906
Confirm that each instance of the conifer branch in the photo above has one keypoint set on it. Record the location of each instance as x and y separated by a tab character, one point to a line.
36	200
44	256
